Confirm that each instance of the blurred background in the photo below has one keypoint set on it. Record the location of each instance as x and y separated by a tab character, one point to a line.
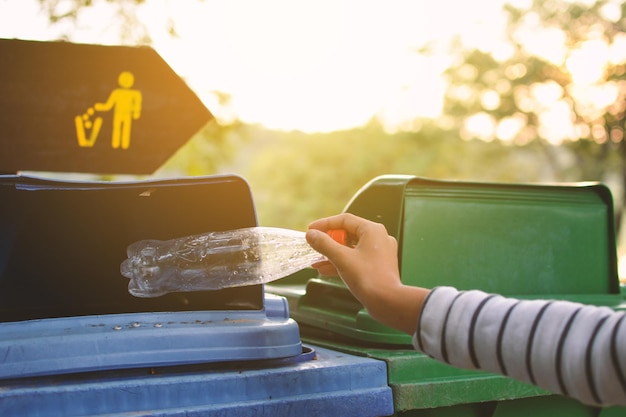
315	98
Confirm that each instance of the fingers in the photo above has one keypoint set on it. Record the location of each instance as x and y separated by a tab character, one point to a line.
324	244
346	221
358	228
372	243
326	269
369	269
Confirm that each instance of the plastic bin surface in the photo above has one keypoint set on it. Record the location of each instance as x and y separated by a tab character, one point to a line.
118	341
319	382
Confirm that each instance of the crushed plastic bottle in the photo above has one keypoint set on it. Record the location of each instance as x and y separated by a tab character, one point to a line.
216	260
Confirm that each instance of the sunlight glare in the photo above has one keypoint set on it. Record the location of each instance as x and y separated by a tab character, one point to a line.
317	66
548	43
593	100
556	123
588	61
481	126
546	94
509	127
309	66
617	50
490	100
612	10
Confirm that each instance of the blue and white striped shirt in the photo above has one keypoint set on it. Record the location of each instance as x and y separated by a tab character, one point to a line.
569	348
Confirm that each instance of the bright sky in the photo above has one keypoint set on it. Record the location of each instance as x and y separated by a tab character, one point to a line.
308	65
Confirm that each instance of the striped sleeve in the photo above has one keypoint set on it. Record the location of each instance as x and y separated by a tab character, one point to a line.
565	347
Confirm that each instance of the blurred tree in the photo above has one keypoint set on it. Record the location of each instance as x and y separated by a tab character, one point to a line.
132	30
556	77
209	151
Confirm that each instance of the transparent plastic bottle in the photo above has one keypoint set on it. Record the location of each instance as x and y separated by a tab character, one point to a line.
216	260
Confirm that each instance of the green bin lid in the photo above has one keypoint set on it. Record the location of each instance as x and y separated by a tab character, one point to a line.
522	240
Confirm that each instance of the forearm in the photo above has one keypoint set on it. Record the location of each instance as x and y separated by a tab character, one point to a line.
564	347
397	307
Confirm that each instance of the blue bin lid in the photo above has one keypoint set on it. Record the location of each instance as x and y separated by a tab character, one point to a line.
115	341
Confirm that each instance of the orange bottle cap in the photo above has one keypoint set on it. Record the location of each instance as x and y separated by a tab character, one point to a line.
339	236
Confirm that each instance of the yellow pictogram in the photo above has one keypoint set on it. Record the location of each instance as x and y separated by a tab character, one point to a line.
126	105
84	123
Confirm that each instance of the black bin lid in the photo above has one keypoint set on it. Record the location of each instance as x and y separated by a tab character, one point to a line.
61	243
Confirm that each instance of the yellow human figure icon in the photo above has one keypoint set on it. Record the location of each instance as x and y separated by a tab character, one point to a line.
126	105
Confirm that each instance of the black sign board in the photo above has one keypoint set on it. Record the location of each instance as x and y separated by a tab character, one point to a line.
91	108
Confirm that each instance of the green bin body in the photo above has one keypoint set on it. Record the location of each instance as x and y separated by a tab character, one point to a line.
521	240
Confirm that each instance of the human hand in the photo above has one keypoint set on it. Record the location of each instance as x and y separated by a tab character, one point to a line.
375	253
369	269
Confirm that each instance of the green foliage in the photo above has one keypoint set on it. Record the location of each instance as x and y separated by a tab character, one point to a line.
512	78
212	148
296	177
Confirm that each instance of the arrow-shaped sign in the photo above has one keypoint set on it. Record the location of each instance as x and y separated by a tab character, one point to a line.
91	108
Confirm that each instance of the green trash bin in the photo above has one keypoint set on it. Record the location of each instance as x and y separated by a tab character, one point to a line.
521	240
